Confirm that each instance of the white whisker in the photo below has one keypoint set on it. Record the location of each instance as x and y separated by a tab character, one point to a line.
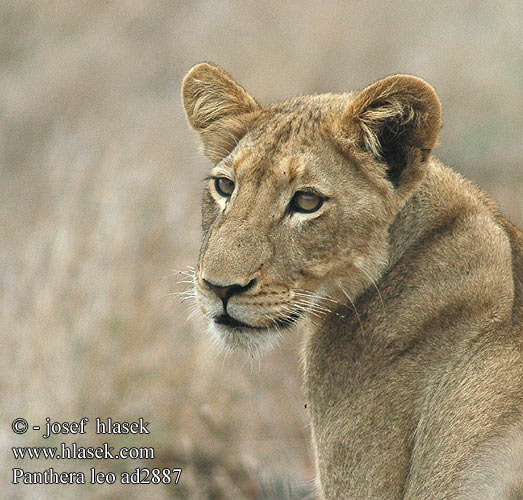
360	267
354	307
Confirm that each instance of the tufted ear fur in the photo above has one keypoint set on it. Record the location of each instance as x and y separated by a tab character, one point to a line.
396	120
218	108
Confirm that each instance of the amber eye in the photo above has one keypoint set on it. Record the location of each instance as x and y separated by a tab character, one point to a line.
224	186
305	202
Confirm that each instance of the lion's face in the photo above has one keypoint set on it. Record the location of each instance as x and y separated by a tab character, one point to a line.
284	234
295	222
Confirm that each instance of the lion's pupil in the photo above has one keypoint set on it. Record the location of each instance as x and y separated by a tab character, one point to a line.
224	186
307	201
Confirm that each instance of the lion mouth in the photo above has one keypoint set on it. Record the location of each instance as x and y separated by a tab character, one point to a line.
227	320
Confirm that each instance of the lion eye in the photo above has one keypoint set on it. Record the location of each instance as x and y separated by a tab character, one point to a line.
224	186
306	202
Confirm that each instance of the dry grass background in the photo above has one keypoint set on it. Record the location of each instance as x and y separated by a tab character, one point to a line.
99	202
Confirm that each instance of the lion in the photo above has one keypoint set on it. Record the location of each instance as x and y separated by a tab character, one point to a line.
329	214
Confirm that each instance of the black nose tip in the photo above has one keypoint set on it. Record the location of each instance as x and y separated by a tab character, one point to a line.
226	292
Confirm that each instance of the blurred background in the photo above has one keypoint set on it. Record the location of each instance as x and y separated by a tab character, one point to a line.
99	210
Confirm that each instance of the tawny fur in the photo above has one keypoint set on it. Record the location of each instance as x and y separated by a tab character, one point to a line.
407	280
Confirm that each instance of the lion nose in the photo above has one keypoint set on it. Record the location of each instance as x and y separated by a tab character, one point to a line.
226	292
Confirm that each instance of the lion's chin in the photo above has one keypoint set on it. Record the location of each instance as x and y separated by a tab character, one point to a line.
252	340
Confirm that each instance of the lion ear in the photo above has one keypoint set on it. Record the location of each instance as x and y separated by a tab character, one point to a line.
397	120
218	108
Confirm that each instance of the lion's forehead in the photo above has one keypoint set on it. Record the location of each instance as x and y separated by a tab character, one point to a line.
286	146
295	165
294	124
255	166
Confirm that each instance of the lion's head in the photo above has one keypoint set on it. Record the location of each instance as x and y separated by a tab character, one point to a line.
299	201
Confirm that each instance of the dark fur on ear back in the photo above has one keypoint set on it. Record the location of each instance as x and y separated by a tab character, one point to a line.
397	120
218	108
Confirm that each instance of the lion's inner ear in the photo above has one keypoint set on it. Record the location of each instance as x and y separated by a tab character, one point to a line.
218	108
397	120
